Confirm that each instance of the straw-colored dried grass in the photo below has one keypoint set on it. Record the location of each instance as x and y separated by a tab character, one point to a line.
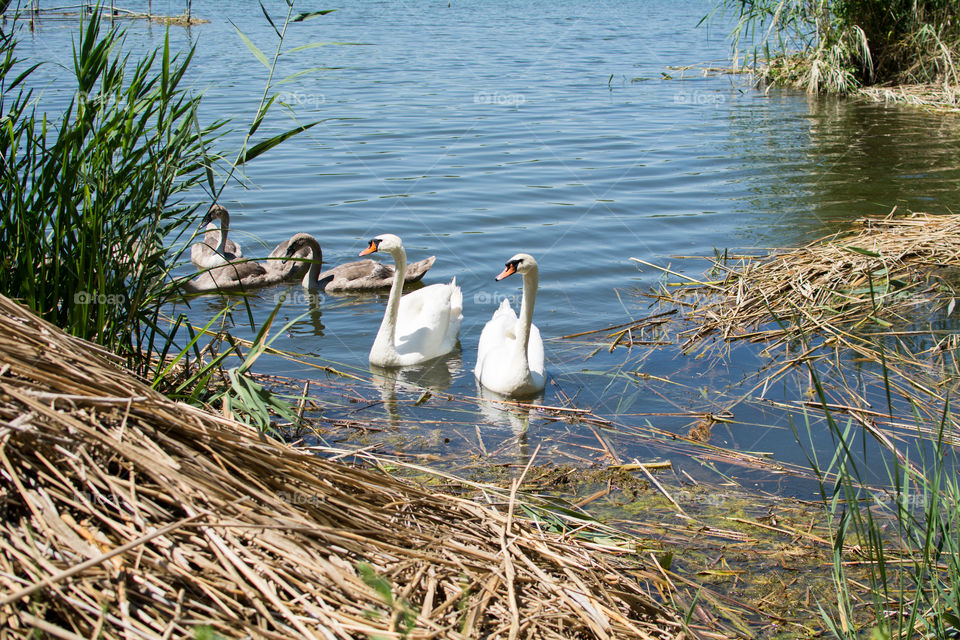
938	97
126	515
886	267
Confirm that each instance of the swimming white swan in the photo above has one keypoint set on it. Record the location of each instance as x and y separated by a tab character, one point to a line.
215	249
510	353
360	275
419	326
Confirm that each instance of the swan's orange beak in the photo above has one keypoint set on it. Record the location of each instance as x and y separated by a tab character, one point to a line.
370	249
510	269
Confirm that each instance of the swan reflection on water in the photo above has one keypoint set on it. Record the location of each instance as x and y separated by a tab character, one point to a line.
435	376
501	410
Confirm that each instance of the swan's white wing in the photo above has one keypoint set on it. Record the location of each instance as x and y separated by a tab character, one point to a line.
497	330
429	320
495	339
535	351
499	365
455	318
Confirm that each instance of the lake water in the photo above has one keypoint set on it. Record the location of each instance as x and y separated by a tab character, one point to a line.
476	130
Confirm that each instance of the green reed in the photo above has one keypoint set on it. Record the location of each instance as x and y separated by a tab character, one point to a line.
95	211
904	539
88	200
839	45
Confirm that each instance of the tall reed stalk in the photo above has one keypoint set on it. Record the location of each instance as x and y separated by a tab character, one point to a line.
87	202
905	539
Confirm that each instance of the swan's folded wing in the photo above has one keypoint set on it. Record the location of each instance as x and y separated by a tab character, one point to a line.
429	319
496	334
228	277
535	351
288	269
280	251
358	275
504	319
416	270
204	252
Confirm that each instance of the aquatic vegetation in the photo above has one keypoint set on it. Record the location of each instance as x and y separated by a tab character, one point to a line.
837	46
94	206
90	202
861	319
105	479
904	536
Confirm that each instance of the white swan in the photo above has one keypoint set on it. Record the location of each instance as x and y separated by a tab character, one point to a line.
510	353
215	249
419	326
360	275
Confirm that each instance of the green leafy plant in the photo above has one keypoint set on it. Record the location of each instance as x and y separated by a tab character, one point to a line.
245	399
407	617
90	203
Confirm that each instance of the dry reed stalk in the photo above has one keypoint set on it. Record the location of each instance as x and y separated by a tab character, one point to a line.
834	282
820	301
126	515
939	97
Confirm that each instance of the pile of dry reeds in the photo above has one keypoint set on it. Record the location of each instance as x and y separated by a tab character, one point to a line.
126	515
939	97
886	267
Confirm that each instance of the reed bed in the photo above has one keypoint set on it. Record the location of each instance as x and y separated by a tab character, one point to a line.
127	515
887	266
837	46
856	310
939	97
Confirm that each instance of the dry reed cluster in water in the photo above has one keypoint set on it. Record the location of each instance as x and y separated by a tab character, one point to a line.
126	515
870	295
890	265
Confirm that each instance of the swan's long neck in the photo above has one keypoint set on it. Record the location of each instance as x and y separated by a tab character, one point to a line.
530	282
388	328
313	275
224	229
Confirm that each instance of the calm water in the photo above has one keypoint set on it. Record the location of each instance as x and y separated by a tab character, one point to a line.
476	130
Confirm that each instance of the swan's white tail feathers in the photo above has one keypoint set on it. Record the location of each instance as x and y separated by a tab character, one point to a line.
456	298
